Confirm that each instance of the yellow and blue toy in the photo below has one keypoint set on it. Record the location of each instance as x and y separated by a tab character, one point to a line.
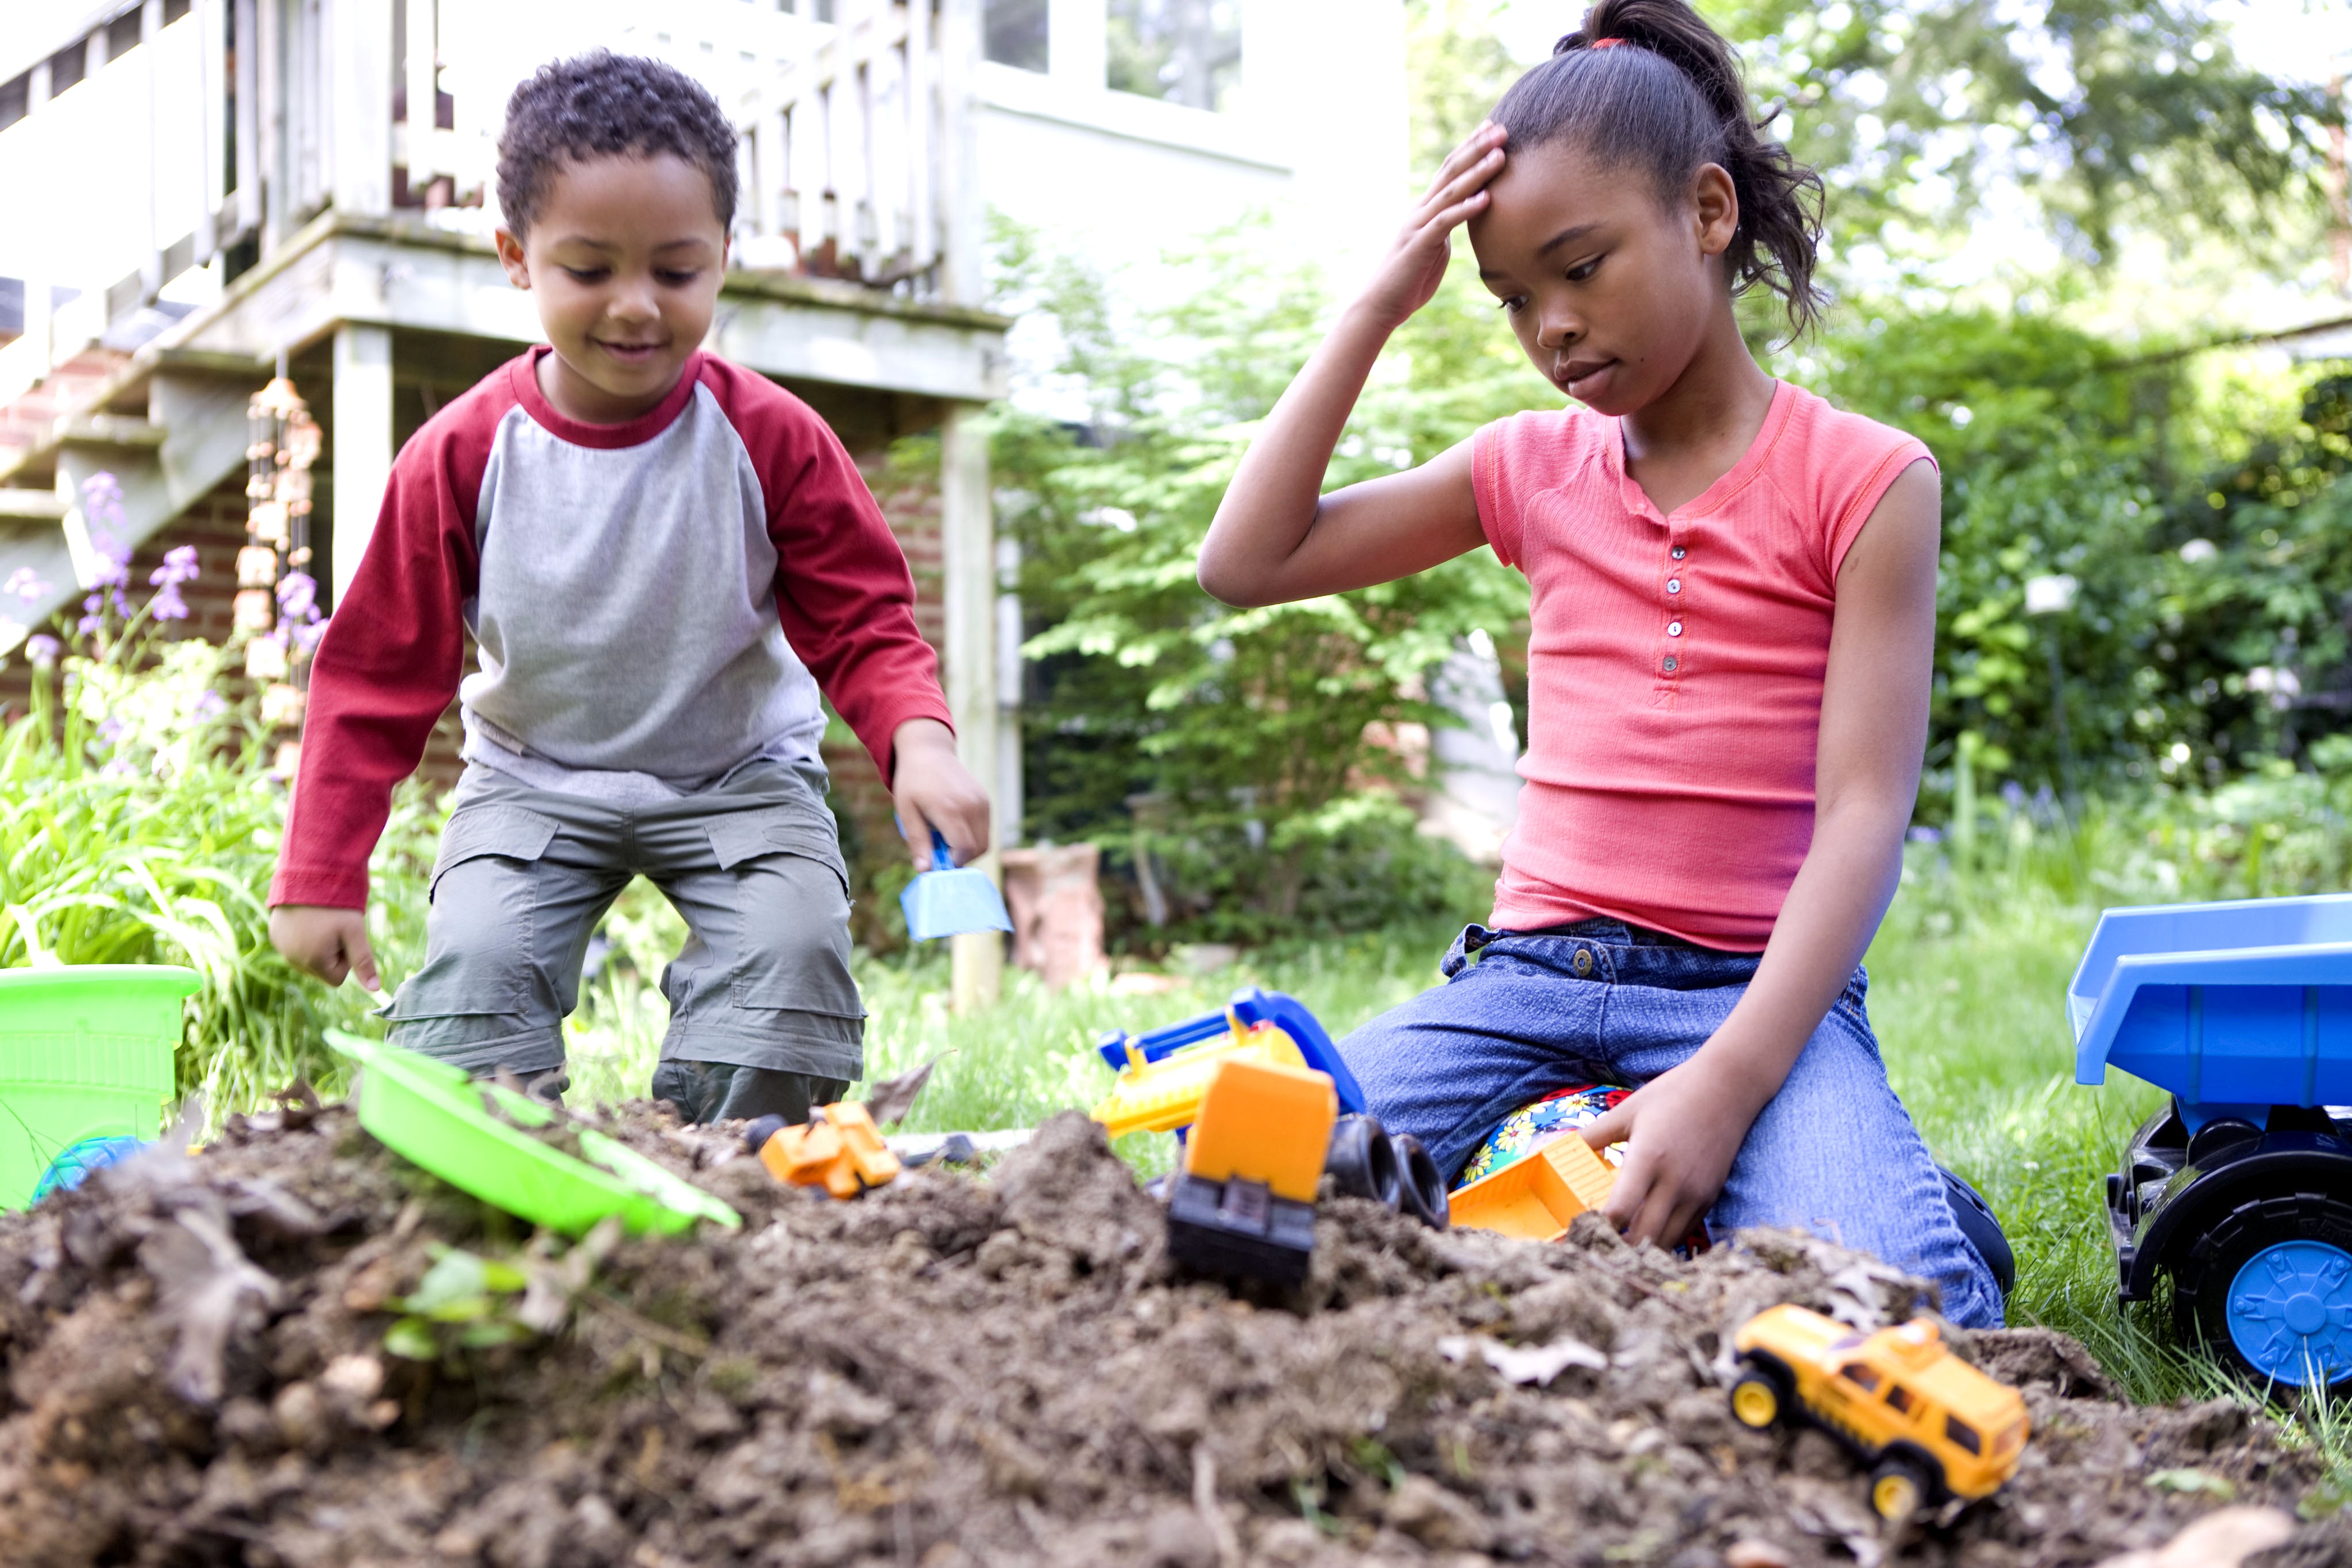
1265	1108
2240	1186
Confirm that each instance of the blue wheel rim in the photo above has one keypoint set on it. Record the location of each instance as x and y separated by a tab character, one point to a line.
2289	1312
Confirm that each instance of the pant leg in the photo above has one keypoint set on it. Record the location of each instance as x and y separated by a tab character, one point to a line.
521	880
754	867
721	1091
1449	1065
1833	1153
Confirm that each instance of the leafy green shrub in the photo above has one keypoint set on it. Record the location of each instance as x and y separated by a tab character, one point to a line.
140	824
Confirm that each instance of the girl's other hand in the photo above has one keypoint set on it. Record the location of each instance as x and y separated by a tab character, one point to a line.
1680	1134
1415	265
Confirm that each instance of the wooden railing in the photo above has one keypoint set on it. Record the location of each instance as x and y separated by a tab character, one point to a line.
219	128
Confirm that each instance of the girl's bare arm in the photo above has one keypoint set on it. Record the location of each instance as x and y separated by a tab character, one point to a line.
1277	538
1874	731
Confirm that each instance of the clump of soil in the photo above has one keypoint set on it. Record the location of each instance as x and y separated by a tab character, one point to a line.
963	1370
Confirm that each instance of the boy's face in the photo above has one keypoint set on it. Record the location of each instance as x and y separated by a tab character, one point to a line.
623	260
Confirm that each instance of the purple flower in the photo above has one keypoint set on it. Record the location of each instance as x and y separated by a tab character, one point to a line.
102	500
179	566
210	703
307	635
167	604
42	650
1923	835
23	583
298	596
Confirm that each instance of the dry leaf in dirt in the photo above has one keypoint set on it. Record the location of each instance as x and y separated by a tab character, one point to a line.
210	1289
892	1097
2224	1539
1537	1364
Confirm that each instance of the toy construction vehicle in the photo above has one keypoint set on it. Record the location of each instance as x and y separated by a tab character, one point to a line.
838	1149
2240	1187
1928	1423
1264	1108
1536	1196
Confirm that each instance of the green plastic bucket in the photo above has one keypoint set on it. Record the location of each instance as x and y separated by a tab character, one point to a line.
433	1113
85	1053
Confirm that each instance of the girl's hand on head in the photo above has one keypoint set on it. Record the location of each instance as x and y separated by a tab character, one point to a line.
1415	265
1680	1134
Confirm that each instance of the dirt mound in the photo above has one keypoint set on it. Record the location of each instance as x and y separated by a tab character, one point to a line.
956	1370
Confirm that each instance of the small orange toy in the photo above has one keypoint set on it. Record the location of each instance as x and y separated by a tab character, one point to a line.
838	1149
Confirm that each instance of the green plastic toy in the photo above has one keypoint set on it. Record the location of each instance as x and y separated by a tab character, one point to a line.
433	1114
85	1063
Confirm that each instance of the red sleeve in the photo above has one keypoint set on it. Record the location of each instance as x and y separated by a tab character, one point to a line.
390	662
842	591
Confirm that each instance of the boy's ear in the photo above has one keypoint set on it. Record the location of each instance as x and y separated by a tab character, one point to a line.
510	256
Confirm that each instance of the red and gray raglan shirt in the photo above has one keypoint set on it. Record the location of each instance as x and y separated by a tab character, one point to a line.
656	605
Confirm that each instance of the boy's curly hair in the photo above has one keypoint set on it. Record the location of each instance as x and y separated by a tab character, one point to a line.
601	105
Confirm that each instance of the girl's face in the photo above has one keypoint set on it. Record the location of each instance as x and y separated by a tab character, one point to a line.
1611	290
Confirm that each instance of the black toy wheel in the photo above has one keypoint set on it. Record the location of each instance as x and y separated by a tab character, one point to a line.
2269	1289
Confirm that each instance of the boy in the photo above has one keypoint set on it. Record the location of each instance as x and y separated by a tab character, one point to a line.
664	559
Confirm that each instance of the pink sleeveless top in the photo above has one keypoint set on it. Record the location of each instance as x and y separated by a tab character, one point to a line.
1674	664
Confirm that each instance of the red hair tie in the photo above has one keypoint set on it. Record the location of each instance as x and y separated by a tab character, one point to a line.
1606	43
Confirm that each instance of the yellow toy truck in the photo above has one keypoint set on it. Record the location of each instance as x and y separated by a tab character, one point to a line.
1927	1423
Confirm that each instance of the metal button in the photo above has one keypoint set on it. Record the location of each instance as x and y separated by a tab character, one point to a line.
1680	551
1673	628
1669	664
1674	584
1583	962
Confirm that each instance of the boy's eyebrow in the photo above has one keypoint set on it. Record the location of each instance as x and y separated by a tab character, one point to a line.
592	244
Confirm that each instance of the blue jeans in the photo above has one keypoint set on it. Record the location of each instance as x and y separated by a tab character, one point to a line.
1833	1153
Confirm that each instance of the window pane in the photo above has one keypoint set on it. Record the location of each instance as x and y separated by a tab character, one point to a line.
1898	1396
1961	1433
1858	1374
1186	51
1015	33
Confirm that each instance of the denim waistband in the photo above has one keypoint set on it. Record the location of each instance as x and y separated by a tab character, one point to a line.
1609	950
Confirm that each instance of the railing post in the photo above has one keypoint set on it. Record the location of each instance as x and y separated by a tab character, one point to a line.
960	261
363	441
359	118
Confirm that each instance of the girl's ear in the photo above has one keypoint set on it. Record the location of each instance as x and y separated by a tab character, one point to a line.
1715	205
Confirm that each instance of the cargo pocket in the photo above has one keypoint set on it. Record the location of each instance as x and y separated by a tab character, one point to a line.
481	938
746	835
510	832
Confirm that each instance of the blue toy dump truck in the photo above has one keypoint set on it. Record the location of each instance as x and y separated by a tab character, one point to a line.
2240	1188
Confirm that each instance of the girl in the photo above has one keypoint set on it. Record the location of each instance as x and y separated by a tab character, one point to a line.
1734	592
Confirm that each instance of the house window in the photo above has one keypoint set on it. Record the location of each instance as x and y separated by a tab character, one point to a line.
1185	51
1014	33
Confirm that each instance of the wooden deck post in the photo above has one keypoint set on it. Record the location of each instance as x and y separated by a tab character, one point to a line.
362	430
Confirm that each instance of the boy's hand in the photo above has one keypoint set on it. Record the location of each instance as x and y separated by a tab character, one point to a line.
326	941
1415	264
931	788
1681	1133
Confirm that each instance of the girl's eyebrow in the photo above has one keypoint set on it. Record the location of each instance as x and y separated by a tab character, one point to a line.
1573	232
1565	236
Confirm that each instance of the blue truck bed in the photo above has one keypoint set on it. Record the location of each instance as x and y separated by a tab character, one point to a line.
2234	1007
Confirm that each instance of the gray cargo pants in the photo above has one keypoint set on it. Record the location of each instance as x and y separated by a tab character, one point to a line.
764	1014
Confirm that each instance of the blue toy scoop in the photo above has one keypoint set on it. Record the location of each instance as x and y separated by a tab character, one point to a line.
947	901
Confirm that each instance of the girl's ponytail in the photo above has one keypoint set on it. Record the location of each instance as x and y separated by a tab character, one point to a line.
1649	82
